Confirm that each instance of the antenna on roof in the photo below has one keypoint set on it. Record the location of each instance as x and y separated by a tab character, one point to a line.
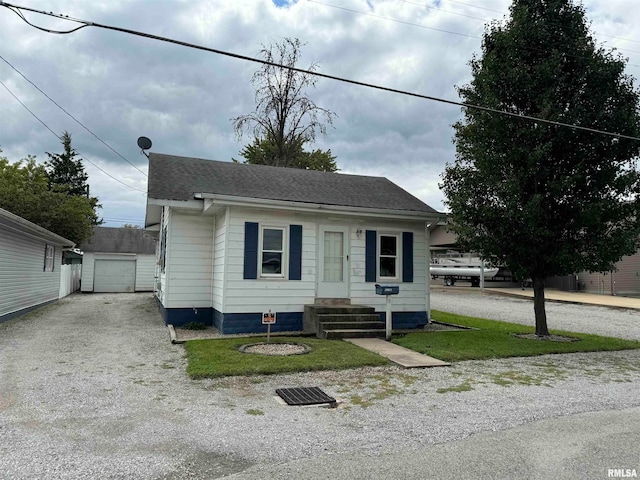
145	144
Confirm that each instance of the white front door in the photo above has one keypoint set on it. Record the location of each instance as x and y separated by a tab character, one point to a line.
333	270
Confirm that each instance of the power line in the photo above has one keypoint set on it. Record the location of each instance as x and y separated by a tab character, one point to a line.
315	73
74	118
389	19
504	13
60	138
394	20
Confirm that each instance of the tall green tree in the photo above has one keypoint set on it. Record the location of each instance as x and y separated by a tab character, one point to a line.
66	173
285	118
543	199
24	191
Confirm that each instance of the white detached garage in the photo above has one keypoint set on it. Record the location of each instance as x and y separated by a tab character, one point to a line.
118	260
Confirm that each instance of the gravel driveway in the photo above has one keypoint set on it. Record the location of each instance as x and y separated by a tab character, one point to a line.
91	387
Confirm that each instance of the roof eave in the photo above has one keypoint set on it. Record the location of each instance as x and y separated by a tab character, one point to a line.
34	230
213	201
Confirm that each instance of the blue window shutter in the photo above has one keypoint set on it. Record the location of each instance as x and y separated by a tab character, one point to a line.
295	252
407	257
370	256
250	250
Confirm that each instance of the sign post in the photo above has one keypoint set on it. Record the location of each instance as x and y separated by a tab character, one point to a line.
268	318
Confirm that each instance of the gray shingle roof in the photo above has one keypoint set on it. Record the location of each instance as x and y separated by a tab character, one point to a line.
179	178
119	240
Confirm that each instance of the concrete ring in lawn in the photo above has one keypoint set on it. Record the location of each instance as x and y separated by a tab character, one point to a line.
282	349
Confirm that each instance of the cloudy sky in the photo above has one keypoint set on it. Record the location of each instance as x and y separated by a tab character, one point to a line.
121	86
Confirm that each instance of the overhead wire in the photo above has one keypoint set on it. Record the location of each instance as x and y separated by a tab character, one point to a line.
60	138
327	76
70	115
382	17
504	13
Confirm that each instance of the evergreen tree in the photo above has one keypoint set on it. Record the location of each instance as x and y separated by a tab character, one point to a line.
66	174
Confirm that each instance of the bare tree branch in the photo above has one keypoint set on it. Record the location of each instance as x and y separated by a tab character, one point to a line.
284	114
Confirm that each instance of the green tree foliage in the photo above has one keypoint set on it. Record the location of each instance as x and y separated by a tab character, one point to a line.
65	171
24	191
285	119
263	152
546	200
66	174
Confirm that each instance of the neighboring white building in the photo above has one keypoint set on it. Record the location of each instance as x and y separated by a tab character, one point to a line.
239	240
118	260
30	261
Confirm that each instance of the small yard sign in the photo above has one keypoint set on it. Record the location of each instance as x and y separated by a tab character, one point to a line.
268	318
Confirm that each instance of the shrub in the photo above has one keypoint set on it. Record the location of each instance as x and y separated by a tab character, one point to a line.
194	326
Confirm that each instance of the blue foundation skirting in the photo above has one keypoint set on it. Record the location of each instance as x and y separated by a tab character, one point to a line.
181	316
230	323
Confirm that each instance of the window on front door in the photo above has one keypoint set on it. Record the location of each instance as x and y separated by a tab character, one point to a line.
388	256
272	252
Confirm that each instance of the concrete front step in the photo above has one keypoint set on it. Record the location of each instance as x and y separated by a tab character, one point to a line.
352	325
340	309
332	301
352	333
347	317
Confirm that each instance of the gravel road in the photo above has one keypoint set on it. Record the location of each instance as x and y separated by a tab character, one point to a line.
91	387
610	322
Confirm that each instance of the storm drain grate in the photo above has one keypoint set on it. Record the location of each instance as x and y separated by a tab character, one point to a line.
304	396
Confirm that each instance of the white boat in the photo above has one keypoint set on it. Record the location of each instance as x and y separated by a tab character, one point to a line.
454	268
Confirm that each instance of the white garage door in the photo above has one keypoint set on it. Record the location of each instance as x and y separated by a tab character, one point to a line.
114	276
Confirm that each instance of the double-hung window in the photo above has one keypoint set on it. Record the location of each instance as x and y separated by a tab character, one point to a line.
49	258
388	256
272	247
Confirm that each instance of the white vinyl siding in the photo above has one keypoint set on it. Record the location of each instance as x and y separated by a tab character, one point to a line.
412	297
145	272
189	261
23	281
219	243
277	294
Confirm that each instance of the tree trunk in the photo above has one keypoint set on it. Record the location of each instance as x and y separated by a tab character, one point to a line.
538	307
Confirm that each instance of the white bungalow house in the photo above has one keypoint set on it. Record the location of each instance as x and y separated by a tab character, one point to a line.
237	241
118	260
30	265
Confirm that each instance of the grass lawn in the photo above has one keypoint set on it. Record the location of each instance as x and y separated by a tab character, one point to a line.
494	339
220	357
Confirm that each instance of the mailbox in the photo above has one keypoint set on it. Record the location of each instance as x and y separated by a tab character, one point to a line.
387	289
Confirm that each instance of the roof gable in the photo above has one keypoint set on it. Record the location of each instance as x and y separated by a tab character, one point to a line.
180	178
119	240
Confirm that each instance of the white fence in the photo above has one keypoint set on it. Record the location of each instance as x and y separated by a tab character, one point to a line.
69	279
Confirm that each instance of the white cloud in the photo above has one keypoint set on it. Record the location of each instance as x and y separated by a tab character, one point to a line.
123	86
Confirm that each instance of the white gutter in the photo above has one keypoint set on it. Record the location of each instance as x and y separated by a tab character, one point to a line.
229	200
